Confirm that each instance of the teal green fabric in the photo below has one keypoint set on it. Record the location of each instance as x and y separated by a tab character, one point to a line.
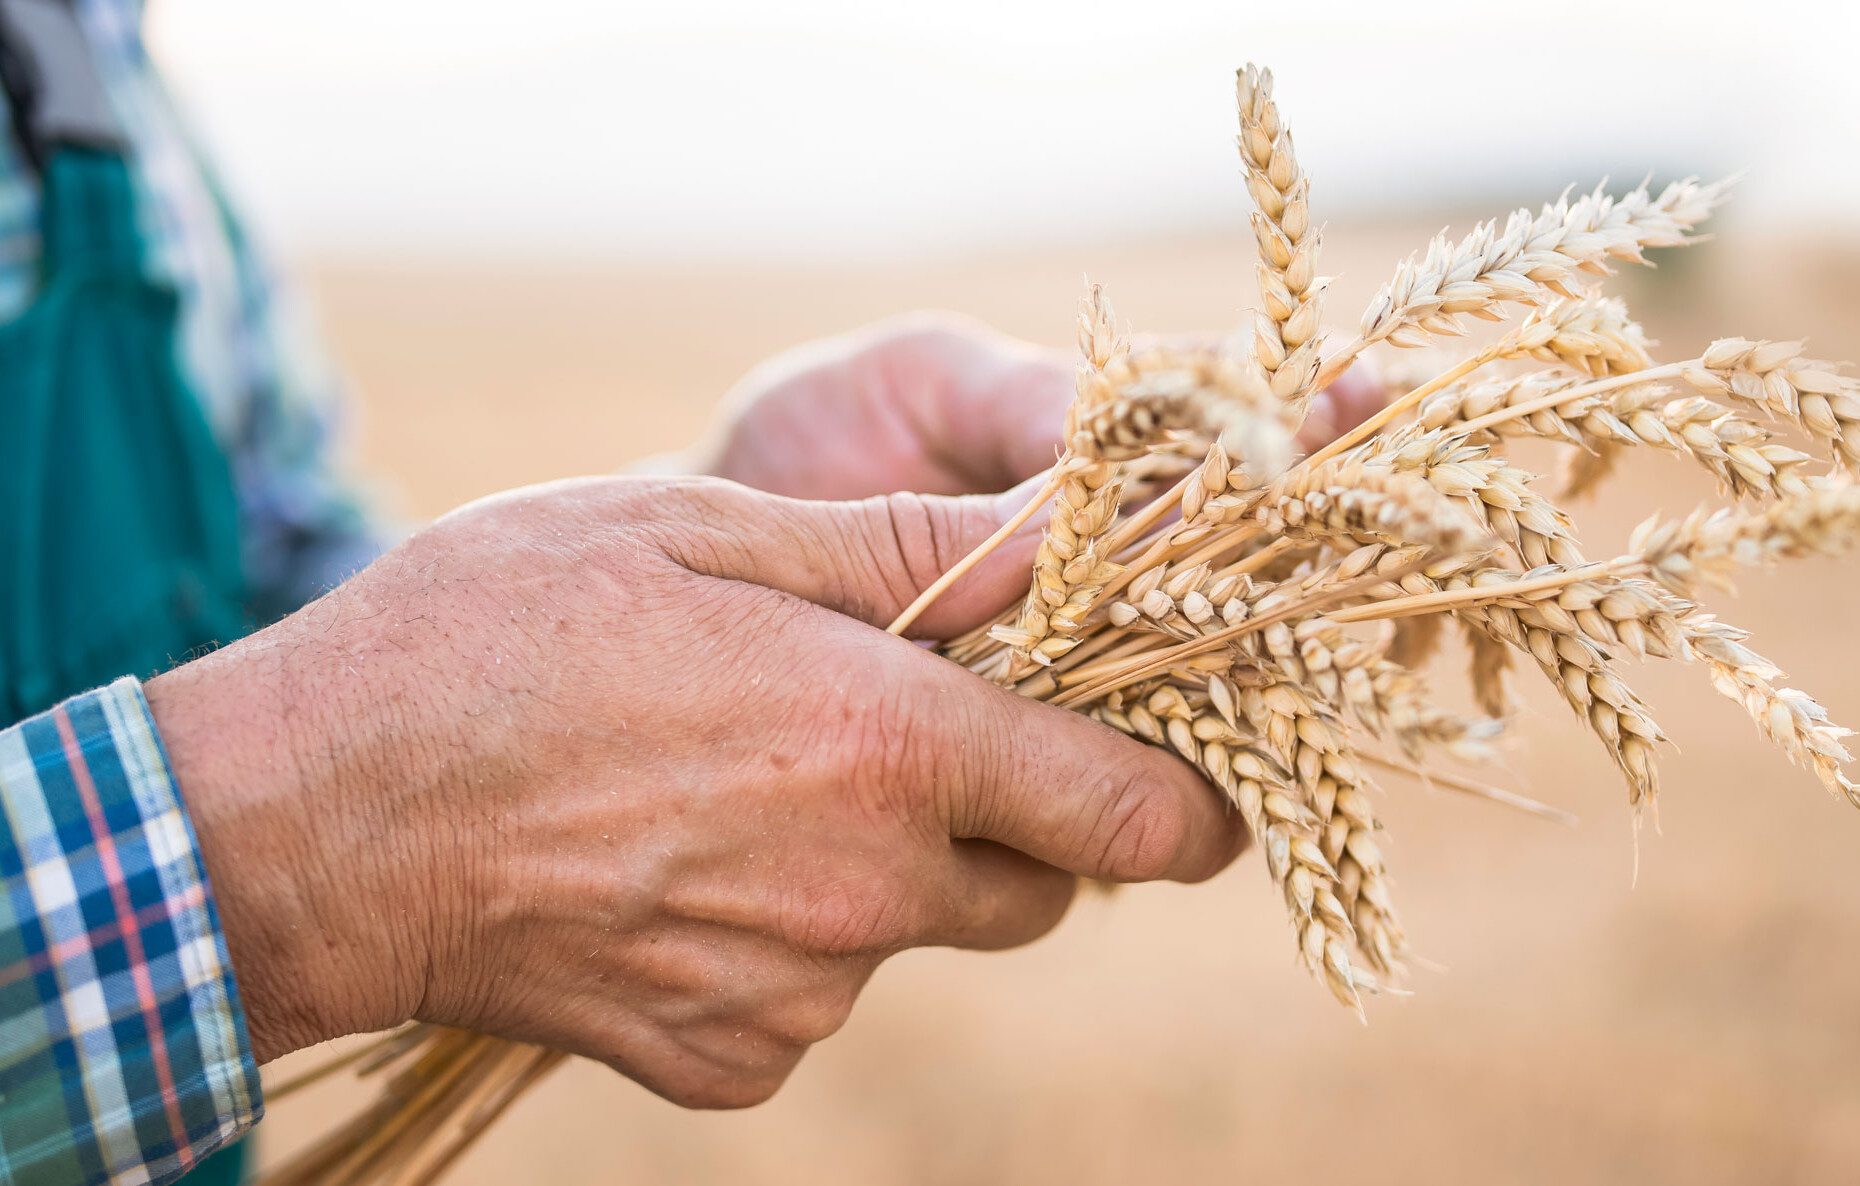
118	519
119	522
224	1168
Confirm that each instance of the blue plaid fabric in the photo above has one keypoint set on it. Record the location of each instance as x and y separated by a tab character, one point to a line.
123	1053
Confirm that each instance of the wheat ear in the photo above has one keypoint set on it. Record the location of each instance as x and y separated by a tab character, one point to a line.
1707	547
1792	719
1069	571
1289	833
1532	258
1775	377
1285	334
1742	455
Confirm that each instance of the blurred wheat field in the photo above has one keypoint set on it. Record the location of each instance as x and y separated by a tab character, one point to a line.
1697	1027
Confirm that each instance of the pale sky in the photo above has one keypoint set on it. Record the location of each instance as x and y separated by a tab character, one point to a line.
867	129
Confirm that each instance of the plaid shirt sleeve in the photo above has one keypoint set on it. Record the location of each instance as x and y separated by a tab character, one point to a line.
123	1051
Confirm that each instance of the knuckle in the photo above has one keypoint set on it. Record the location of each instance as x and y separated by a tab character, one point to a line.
879	746
912	540
718	1089
812	1019
924	334
679	518
848	917
994	778
1140	835
737	1090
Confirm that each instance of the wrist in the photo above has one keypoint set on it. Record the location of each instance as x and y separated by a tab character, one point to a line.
312	926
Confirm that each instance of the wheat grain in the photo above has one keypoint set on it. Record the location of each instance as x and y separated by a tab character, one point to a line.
1069	572
1285	336
1742	455
1497	492
1775	377
1707	546
1289	834
1579	667
1305	737
1792	719
1384	697
1596	337
1590	334
1351	501
1532	259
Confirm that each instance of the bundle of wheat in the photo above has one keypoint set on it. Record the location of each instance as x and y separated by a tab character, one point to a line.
1263	617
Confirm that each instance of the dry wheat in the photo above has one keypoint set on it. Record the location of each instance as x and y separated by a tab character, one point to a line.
1792	719
1285	336
1259	615
1742	455
1775	377
1069	572
1706	547
1289	833
1532	259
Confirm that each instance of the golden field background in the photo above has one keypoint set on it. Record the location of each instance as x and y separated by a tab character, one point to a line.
1701	1026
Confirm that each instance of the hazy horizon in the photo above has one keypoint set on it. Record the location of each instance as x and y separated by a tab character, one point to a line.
841	131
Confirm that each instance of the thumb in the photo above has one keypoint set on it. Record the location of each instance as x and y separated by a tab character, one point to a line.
869	559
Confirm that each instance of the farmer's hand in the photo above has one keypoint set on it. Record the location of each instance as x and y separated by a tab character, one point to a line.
624	767
929	402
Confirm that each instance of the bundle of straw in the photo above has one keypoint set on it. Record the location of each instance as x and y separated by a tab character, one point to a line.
1265	616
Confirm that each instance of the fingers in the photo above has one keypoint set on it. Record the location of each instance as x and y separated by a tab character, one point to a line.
721	1017
997	898
715	1065
867	559
990	407
1061	788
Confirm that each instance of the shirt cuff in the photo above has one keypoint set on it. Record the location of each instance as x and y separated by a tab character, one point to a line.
123	1049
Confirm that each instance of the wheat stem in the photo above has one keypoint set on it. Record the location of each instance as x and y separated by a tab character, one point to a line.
1477	790
942	584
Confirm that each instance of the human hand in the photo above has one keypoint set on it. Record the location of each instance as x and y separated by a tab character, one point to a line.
624	767
928	402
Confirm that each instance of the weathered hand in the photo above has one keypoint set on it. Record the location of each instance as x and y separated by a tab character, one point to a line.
930	402
624	767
